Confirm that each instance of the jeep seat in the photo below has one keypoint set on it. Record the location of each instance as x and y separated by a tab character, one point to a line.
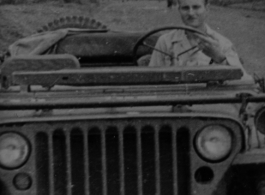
104	49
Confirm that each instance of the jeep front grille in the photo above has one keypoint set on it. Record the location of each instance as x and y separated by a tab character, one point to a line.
136	156
116	157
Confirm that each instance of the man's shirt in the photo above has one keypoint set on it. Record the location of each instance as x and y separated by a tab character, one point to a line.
175	42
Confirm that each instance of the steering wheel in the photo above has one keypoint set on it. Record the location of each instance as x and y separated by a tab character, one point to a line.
141	40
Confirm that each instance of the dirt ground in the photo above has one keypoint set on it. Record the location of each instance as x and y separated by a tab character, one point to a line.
245	28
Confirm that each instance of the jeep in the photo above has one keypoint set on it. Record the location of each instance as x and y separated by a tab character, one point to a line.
82	114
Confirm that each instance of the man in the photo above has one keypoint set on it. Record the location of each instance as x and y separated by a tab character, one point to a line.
212	48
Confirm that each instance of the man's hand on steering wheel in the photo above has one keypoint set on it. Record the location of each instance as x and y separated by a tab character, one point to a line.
210	47
141	40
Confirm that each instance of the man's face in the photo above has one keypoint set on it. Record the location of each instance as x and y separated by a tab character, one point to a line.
193	12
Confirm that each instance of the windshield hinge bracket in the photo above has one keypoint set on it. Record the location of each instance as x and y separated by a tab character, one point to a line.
242	111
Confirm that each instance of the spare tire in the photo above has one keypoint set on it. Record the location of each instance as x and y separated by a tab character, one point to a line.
73	22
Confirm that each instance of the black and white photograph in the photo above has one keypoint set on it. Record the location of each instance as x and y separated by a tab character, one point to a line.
132	97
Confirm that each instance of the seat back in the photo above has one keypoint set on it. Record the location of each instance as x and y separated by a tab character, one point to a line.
104	49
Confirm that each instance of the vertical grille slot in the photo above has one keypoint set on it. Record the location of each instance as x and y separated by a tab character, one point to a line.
95	158
42	163
51	163
121	155
104	162
112	157
157	161
175	160
166	160
148	160
60	163
77	165
183	148
86	161
130	160
139	163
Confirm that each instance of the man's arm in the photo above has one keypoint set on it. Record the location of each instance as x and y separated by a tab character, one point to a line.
158	58
222	52
233	59
212	47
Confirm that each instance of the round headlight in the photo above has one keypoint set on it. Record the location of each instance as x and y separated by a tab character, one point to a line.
214	142
14	150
